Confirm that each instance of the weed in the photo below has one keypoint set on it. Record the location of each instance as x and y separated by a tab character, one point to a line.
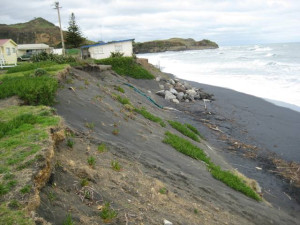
196	211
13	216
123	101
115	132
107	213
51	196
150	116
102	148
119	89
91	126
184	130
84	182
91	161
86	82
68	220
126	66
14	204
26	189
70	143
184	146
115	166
8	176
163	191
194	129
3	189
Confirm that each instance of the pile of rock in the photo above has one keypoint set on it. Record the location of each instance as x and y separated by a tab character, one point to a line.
176	91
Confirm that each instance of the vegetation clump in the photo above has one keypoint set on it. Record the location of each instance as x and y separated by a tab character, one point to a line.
123	101
184	130
115	165
102	148
126	66
107	213
150	116
184	146
91	161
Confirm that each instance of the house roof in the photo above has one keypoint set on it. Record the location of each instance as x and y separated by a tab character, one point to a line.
33	46
3	41
105	43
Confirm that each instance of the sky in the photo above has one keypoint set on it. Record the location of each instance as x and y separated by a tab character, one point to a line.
229	22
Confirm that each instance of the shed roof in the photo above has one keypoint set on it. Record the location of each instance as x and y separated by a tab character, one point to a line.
105	43
33	46
3	41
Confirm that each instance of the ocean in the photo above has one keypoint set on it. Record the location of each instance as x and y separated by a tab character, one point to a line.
269	71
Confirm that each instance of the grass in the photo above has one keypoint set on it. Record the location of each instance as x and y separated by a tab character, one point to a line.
91	161
119	89
184	146
115	165
70	143
68	220
91	126
115	132
102	148
26	189
123	101
30	66
84	182
163	190
184	130
107	213
126	66
194	129
12	216
150	116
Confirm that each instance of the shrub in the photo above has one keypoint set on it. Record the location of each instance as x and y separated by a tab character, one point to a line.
33	90
116	54
60	59
126	66
184	130
40	72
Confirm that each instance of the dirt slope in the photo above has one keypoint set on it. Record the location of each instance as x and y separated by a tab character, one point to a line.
192	196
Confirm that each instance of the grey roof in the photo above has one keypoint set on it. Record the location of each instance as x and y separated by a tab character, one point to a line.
33	46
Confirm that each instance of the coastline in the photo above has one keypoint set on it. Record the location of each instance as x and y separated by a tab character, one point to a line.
255	122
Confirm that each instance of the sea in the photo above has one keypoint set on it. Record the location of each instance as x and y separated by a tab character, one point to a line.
268	71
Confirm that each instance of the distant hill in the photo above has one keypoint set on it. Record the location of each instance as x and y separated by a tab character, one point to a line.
36	31
173	44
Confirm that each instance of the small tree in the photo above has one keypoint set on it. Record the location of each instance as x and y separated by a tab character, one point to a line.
74	37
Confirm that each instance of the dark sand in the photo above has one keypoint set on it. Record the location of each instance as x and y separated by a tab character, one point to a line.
141	141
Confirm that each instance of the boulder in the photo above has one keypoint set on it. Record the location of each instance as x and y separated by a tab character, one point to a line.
187	85
168	86
175	101
173	91
161	93
191	93
180	96
187	100
162	87
179	88
157	79
171	81
176	80
169	95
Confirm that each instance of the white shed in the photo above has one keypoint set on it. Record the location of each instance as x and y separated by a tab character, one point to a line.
103	50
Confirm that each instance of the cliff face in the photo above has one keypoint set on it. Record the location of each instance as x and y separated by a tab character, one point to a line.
173	44
37	30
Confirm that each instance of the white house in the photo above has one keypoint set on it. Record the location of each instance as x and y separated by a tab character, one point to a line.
31	49
103	50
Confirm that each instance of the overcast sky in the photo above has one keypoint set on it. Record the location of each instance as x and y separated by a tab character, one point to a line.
231	22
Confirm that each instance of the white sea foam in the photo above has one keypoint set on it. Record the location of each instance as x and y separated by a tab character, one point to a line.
273	75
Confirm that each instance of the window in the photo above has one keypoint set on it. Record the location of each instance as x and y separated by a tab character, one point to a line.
13	50
7	51
118	48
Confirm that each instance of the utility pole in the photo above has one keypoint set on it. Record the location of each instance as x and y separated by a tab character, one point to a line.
61	32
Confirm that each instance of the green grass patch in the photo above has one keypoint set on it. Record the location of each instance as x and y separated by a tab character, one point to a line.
194	129
102	148
33	90
11	216
91	161
68	220
184	130
150	116
119	89
126	66
30	66
186	147
26	189
123	101
70	143
115	165
163	190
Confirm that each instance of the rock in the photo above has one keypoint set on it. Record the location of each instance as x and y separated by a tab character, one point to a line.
157	79
168	86
175	101
173	91
161	93
197	96
176	80
179	88
180	96
191	92
167	222
169	95
149	91
187	85
187	100
162	87
172	81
